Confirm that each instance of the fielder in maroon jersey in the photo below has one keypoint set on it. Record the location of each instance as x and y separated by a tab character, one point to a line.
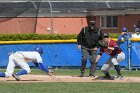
116	56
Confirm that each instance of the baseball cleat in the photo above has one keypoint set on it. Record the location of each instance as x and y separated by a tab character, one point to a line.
16	77
119	77
92	76
105	78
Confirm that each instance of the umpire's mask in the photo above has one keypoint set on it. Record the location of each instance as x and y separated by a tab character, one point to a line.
92	25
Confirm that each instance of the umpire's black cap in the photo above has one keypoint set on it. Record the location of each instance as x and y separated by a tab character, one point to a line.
105	34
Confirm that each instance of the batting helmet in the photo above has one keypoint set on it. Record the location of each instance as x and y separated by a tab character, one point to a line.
39	50
105	34
124	29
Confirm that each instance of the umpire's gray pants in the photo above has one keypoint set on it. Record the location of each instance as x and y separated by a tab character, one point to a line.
91	54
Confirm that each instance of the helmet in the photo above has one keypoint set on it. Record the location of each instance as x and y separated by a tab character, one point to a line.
39	50
124	29
137	30
105	34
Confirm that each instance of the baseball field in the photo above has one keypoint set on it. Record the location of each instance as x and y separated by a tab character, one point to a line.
67	81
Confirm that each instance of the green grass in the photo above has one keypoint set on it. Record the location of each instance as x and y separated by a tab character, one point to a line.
98	72
76	72
93	87
69	87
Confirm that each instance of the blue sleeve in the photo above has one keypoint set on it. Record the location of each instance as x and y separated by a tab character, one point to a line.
42	67
130	34
120	37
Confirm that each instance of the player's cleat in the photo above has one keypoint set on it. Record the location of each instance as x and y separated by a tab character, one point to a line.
92	76
108	77
16	77
105	78
119	77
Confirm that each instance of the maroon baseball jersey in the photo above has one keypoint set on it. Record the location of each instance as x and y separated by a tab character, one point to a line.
112	43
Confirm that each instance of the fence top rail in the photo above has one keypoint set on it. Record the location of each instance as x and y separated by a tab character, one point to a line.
53	41
38	41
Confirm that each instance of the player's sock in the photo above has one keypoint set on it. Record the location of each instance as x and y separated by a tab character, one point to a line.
21	72
2	74
117	69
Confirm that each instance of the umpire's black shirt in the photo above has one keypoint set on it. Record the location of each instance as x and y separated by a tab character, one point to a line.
89	38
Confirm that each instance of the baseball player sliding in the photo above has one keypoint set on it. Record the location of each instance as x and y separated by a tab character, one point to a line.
116	56
21	58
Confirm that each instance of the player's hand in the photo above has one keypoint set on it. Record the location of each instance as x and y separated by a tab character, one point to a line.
50	73
95	49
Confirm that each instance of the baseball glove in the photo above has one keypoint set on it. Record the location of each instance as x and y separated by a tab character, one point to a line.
103	44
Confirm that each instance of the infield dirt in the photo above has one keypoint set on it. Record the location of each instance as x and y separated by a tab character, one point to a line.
64	78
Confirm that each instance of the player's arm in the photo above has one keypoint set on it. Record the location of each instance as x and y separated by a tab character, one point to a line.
42	67
97	58
121	36
99	55
111	48
79	37
115	46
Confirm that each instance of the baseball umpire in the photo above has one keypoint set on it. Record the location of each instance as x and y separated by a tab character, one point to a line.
87	41
21	58
116	56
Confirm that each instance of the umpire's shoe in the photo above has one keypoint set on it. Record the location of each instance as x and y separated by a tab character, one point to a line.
91	75
81	75
16	77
